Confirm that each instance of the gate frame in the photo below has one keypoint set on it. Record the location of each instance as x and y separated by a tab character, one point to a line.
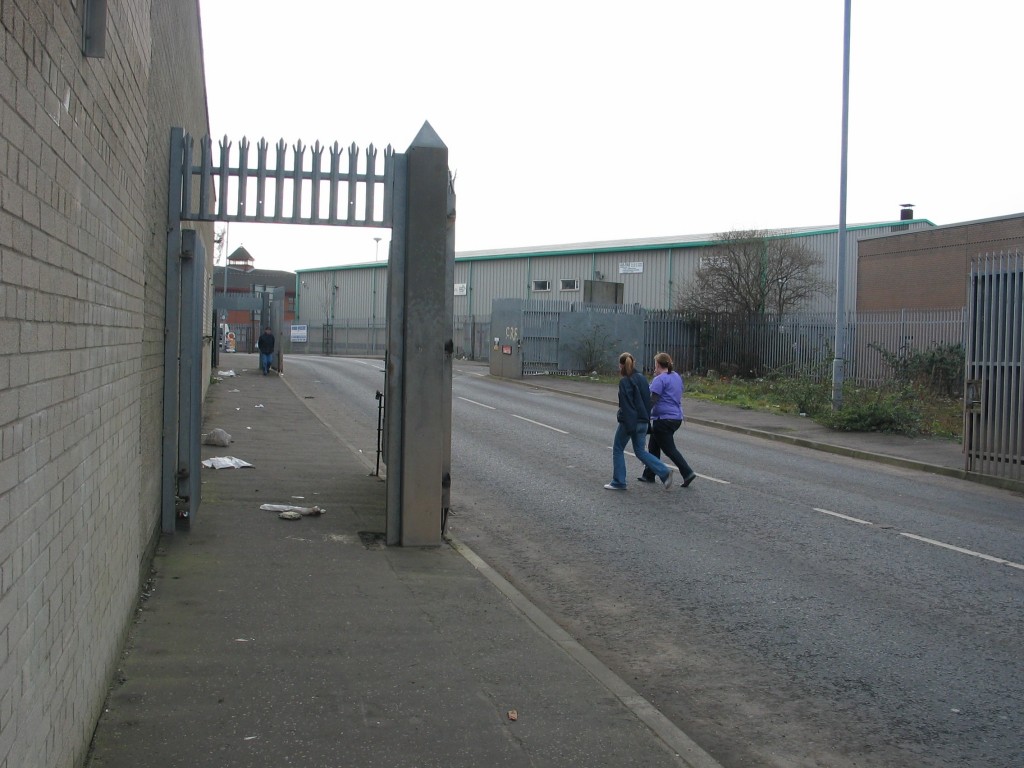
419	208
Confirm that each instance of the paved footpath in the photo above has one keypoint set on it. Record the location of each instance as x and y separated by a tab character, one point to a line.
266	642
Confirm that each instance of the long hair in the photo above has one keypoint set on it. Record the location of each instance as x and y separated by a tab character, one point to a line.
664	359
627	364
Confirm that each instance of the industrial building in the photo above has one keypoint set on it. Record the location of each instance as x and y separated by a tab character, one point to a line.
652	273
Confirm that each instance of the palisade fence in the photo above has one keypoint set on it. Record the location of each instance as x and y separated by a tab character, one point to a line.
994	418
797	344
347	336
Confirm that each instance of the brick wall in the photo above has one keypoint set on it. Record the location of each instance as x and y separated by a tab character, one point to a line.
928	269
83	166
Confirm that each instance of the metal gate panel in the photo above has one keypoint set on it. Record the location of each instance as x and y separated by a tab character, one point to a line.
993	415
540	340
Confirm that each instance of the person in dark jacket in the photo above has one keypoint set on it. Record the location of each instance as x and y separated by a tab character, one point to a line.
633	418
265	344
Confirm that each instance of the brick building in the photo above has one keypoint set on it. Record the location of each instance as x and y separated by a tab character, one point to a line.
929	268
88	94
249	281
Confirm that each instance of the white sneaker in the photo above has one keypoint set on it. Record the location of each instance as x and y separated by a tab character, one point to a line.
667	482
610	487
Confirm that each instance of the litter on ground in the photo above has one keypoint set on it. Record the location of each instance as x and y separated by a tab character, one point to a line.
301	511
224	462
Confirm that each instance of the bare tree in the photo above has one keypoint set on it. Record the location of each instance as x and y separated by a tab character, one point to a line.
752	273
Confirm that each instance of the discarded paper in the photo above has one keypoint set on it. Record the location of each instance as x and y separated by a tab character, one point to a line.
224	462
217	437
301	511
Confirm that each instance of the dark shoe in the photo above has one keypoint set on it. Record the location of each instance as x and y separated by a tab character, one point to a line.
645	479
689	479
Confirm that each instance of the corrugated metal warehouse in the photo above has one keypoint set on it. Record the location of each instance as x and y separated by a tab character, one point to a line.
652	271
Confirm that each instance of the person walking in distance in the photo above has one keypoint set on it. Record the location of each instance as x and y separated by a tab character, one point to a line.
666	417
265	344
633	417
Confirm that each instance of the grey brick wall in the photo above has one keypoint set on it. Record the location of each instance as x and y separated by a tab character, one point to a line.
83	167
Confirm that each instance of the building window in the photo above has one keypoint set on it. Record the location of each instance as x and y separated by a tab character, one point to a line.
570	285
94	27
541	285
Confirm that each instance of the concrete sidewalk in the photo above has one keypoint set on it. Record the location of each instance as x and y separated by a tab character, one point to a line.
267	642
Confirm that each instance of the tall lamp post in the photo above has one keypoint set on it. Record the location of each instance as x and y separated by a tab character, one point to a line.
376	252
838	361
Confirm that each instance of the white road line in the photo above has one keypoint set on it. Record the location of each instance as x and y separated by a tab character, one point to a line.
933	542
474	402
714	479
698	474
963	551
553	429
844	517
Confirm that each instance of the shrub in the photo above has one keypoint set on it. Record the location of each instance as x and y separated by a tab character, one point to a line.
940	368
894	411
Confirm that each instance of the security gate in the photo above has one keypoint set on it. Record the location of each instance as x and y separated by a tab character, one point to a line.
994	414
414	197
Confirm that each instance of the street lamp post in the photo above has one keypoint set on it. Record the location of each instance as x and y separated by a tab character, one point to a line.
376	252
840	339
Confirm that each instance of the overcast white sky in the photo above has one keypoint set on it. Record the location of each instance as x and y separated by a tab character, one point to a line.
580	120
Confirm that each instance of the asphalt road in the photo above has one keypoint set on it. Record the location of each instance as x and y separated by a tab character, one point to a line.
790	608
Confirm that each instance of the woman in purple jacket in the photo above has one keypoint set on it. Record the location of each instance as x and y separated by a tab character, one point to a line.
666	417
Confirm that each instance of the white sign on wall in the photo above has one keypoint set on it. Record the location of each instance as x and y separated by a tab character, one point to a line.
630	267
298	333
460	289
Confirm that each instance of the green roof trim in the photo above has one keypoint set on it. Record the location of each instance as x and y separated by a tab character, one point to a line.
618	246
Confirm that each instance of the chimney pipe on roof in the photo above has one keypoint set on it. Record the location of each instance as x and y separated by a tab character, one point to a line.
906	211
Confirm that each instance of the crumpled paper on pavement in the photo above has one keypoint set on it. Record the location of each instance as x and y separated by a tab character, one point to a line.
294	510
217	437
225	462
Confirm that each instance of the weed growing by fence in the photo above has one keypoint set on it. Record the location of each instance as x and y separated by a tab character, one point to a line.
940	368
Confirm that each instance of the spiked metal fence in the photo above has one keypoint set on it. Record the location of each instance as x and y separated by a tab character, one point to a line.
338	193
994	416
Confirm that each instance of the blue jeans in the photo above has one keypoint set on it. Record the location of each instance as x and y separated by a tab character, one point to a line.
265	360
623	436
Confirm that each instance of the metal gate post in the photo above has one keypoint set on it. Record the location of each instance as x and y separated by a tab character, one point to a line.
190	370
426	408
178	169
394	381
394	370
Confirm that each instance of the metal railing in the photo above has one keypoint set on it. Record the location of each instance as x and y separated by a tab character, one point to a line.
800	344
994	416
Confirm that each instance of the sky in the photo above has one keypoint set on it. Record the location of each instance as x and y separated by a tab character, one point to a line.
571	121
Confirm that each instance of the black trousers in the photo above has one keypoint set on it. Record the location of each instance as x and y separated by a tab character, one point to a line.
661	440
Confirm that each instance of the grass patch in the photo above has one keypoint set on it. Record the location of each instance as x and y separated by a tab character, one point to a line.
902	408
905	409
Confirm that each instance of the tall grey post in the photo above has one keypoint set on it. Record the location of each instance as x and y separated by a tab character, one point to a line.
183	333
419	366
